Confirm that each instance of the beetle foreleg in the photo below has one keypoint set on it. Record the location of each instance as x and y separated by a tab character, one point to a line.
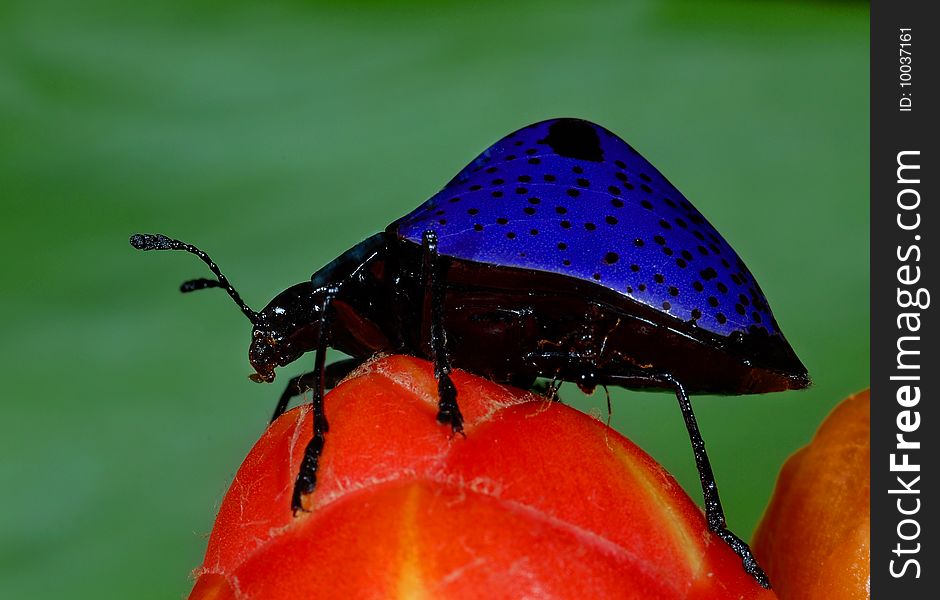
448	412
714	514
307	476
333	373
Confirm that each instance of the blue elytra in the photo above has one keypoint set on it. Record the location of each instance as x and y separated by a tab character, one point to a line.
567	196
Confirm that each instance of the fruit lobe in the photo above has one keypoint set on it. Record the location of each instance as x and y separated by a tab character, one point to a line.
537	501
814	538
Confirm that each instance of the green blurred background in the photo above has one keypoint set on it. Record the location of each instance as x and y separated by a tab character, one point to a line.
275	137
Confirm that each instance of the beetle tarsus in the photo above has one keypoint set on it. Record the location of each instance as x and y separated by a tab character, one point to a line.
747	557
448	413
307	476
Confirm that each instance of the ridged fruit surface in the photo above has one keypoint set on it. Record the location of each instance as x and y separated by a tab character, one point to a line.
538	500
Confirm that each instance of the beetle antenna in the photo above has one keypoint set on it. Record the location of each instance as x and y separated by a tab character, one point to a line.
194	285
151	241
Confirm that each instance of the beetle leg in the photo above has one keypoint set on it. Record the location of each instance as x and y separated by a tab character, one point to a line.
332	375
448	412
307	476
714	514
572	365
610	411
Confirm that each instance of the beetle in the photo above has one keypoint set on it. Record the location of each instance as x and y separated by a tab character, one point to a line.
559	252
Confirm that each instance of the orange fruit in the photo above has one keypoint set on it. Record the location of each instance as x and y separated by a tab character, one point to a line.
814	538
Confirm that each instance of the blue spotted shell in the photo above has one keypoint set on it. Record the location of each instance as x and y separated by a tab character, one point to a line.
568	196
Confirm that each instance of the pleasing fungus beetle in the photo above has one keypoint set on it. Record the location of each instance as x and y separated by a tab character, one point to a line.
559	252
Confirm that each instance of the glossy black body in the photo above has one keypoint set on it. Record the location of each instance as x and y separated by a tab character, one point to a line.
512	325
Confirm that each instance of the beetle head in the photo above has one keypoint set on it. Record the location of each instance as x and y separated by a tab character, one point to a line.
286	329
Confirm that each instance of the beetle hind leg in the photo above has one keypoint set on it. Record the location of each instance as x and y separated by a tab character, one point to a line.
448	412
580	368
714	514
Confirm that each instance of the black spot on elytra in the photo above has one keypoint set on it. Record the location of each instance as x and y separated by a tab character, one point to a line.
574	138
708	273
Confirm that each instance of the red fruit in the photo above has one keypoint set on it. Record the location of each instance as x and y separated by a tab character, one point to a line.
537	501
